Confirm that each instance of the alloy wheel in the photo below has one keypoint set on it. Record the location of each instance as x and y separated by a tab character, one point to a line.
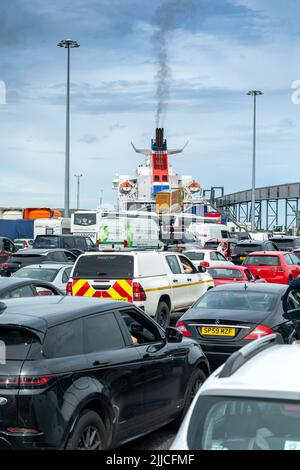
90	439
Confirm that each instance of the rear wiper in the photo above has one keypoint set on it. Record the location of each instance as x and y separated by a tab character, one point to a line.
101	274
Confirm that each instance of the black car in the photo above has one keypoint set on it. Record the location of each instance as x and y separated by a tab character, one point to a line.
77	244
227	317
26	257
285	243
243	248
15	288
7	247
87	374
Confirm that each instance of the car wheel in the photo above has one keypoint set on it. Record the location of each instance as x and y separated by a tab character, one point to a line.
89	433
196	380
163	314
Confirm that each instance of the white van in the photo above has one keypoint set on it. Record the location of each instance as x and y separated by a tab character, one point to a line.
157	282
59	226
204	232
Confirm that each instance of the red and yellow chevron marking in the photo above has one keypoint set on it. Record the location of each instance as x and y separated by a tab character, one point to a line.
120	290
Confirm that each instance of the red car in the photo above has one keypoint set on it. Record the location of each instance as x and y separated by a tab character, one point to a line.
274	266
229	274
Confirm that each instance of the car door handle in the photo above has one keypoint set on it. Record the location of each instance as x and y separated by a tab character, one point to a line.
189	280
99	363
175	280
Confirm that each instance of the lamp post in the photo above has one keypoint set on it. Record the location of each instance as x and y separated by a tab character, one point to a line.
254	93
67	44
78	188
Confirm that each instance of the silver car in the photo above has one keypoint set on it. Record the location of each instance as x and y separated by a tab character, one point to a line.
251	402
58	274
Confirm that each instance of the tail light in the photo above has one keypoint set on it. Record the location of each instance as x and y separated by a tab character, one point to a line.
17	382
69	288
4	265
181	326
23	431
259	332
26	244
204	264
139	295
98	243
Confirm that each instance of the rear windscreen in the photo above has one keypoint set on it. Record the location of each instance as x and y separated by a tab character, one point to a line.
211	244
245	248
262	261
104	267
18	258
46	242
15	344
284	243
194	256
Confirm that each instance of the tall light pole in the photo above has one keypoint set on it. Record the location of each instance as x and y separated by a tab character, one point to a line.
78	188
67	44
254	93
101	199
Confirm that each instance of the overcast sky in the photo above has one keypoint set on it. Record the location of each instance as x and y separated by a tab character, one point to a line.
217	51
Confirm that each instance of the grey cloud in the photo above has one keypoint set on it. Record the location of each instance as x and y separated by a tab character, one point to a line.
88	139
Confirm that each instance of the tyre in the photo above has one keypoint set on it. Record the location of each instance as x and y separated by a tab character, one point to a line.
162	315
196	380
89	433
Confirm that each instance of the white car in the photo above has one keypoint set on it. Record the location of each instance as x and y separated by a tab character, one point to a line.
157	282
252	402
58	274
206	258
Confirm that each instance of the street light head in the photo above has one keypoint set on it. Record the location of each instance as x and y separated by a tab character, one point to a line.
68	43
255	93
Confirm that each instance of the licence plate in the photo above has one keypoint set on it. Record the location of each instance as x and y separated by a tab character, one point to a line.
217	331
242	258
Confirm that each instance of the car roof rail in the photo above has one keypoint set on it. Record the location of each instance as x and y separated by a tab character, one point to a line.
239	358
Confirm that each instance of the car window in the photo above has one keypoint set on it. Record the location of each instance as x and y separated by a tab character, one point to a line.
213	256
233	423
69	242
246	248
173	264
64	340
290	260
225	273
24	291
194	255
43	274
8	246
293	258
70	257
89	242
236	300
220	257
57	256
140	330
80	243
44	241
262	260
102	333
108	266
187	265
66	274
43	290
249	275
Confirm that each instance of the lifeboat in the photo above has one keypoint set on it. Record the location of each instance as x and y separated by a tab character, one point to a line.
126	187
194	187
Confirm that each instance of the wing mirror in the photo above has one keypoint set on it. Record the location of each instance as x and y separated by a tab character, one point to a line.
202	266
173	335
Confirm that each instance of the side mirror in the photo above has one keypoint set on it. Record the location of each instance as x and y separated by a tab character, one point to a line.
257	278
201	269
173	335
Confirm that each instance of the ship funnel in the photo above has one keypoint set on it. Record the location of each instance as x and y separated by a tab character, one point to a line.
159	141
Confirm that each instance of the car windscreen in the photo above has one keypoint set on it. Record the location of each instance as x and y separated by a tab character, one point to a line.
41	274
246	248
211	245
225	273
236	300
46	242
84	220
108	266
262	261
230	423
284	243
194	255
15	343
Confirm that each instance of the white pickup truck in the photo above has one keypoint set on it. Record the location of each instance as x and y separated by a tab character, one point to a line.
157	282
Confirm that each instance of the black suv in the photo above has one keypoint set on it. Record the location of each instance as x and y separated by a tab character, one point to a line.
243	248
26	257
78	244
84	374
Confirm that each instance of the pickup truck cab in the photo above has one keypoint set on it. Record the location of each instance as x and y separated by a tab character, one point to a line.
157	282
